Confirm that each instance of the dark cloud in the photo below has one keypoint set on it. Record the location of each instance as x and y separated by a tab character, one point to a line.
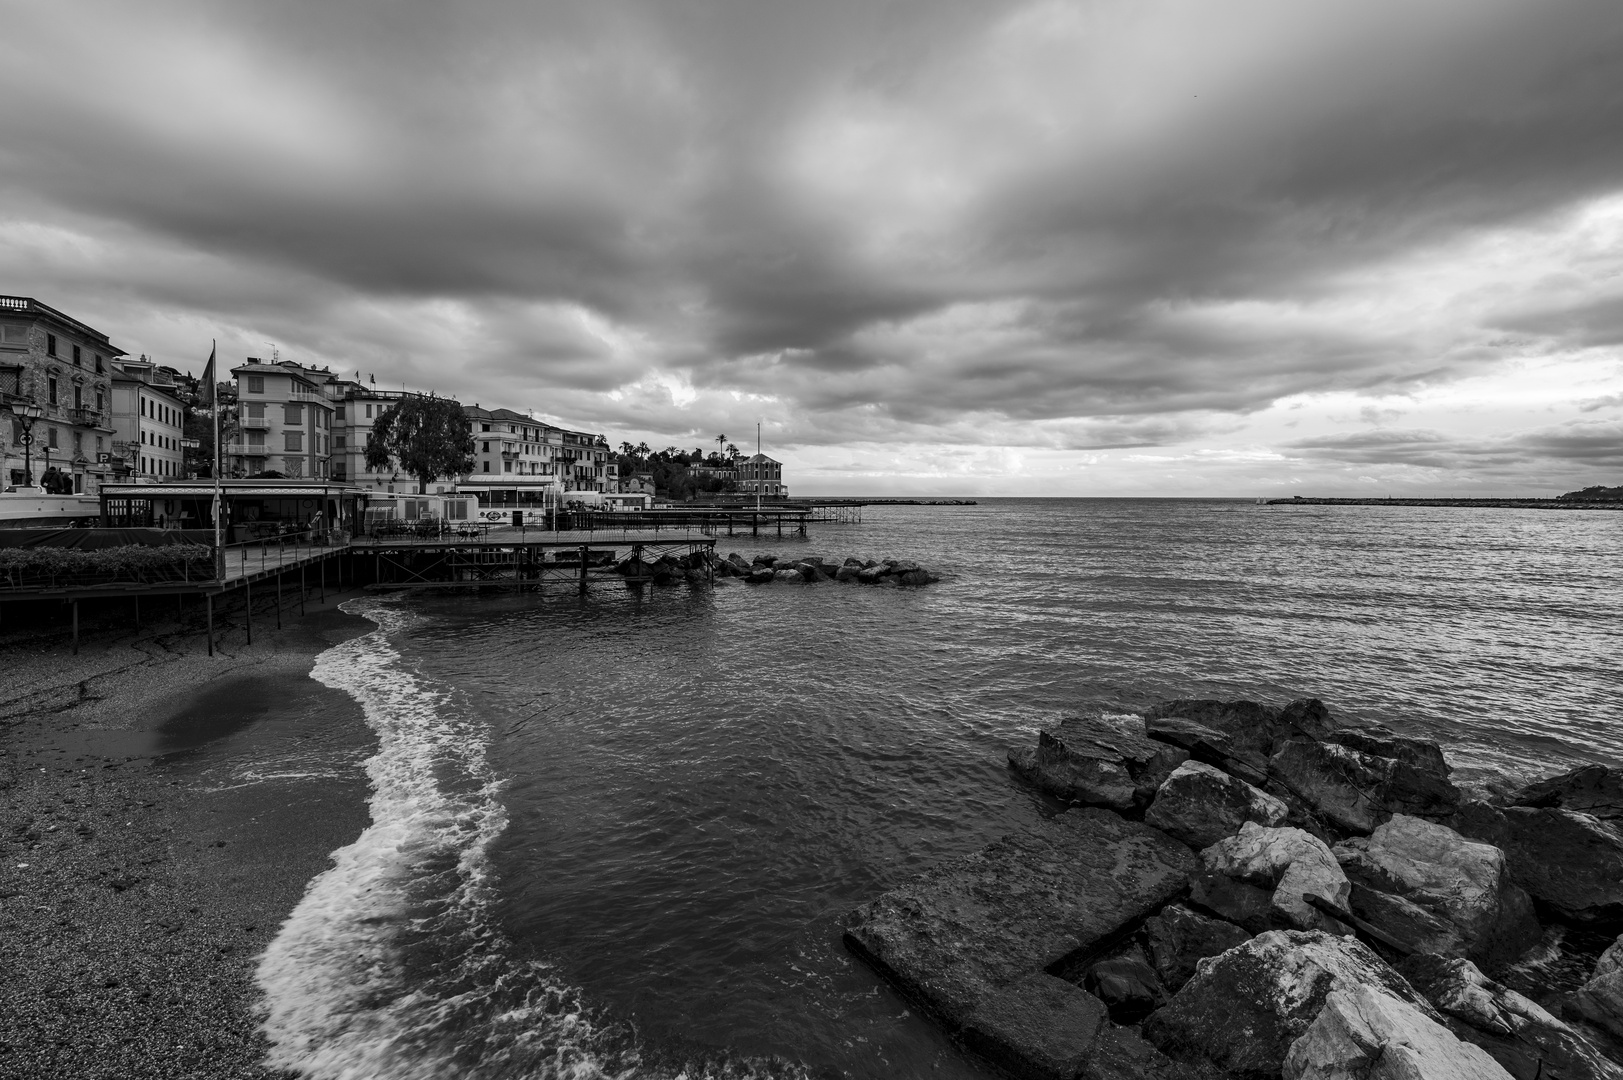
899	221
1587	443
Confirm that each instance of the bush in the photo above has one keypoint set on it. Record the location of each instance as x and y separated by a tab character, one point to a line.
54	566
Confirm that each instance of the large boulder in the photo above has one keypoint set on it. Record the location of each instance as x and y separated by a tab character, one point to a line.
1571	862
1097	761
1243	1010
1208	745
1180	938
1364	1034
1463	882
1526	1040
1252	731
1038	1028
1600	1000
1381	741
1357	790
1596	790
1285	864
1036	900
1201	805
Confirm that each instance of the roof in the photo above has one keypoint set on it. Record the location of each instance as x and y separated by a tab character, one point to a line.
759	458
27	305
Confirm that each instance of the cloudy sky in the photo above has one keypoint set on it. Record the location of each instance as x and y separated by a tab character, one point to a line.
1100	247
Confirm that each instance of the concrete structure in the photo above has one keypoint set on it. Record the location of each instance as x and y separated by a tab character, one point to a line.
759	473
149	421
284	420
61	365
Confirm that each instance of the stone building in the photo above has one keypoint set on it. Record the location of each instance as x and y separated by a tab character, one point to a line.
62	366
759	473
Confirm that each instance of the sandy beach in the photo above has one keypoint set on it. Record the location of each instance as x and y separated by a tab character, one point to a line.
161	813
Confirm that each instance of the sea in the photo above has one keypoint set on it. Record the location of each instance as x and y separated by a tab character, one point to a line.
619	835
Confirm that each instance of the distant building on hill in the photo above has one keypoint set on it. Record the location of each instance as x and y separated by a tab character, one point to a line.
759	473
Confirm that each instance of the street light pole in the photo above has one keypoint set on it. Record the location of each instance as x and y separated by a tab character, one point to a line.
26	415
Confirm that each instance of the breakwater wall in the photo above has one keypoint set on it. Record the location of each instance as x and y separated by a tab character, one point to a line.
1236	889
1513	504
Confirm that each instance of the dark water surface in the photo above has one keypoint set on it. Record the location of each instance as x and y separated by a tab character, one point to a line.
619	835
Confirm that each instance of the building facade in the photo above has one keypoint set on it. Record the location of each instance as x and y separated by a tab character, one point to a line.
358	407
759	473
528	460
148	420
285	414
61	365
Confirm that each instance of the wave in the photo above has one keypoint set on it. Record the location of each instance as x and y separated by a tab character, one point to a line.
392	964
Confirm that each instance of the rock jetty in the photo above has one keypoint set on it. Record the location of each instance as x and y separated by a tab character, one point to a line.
764	569
1238	890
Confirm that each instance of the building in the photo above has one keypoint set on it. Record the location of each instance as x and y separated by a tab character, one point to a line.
518	459
759	473
148	420
358	407
284	424
62	366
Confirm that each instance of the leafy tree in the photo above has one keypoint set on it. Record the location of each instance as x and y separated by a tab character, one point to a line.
429	437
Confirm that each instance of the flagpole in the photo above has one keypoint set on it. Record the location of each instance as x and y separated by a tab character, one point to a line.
219	493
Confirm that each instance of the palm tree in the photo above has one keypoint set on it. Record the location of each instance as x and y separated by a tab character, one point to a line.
732	451
721	441
626	449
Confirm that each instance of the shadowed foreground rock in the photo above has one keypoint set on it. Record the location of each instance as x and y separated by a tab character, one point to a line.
965	939
1098	762
1243	1010
1572	862
1201	805
1365	1034
1528	1042
1593	789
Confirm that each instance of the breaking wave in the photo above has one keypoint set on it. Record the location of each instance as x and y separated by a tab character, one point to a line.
391	965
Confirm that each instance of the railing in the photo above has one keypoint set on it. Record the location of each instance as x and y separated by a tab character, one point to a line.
305	395
16	303
247	449
241	556
254	423
85	417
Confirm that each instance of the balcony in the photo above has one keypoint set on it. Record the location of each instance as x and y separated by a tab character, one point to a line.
243	449
300	394
84	417
254	423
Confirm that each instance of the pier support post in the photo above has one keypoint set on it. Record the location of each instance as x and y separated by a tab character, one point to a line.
209	599
76	628
278	601
248	608
583	569
138	612
324	579
755	524
302	590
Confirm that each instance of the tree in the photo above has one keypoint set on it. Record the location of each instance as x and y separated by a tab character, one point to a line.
721	441
732	451
428	436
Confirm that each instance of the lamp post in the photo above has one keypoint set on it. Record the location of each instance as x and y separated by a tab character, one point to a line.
26	415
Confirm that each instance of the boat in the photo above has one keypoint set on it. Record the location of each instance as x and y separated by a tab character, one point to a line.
34	508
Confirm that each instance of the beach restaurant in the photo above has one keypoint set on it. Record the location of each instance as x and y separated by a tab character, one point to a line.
254	509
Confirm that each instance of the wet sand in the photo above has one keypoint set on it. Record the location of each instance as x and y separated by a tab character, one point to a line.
161	813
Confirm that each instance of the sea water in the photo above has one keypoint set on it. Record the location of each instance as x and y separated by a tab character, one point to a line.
618	835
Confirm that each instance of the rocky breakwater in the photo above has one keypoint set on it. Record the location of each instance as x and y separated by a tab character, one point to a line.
805	569
1231	889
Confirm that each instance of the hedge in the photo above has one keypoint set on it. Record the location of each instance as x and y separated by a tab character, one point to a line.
20	567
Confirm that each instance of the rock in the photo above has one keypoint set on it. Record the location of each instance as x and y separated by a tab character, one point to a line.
1527	1041
846	573
810	571
759	577
1250	907
1127	984
738	562
1207	745
1249	728
1092	761
1601	998
1412	927
1423	754
1465	882
1358	791
852	560
1242	1010
1290	864
788	575
1038	1027
1364	1034
870	575
1121	1053
1569	861
1032	901
1179	938
914	577
1593	789
1201	805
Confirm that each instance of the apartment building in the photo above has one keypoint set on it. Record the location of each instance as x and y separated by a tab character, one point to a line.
59	365
759	473
521	456
357	408
285	414
148	420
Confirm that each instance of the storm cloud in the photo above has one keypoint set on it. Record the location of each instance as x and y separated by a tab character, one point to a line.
1109	245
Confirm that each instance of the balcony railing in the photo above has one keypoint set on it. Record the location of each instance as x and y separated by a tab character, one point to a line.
299	394
254	423
85	417
247	449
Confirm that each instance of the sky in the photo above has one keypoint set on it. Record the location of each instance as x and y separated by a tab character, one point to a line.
1118	247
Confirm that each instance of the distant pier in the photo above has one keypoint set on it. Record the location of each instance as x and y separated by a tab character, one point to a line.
1499	504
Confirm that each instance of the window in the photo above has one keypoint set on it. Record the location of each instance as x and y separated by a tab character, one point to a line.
293	440
338	442
487	466
256	384
78	361
78	397
12	334
99	369
369	412
340	412
98	444
293	414
484	448
78	442
484	427
52	389
256	438
507	466
99	405
50	440
256	410
50	344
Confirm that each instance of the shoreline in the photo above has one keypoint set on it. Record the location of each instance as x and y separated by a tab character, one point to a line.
161	814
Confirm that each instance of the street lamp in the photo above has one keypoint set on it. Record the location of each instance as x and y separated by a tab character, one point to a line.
26	415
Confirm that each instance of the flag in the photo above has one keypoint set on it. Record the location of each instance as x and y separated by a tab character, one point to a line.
205	385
